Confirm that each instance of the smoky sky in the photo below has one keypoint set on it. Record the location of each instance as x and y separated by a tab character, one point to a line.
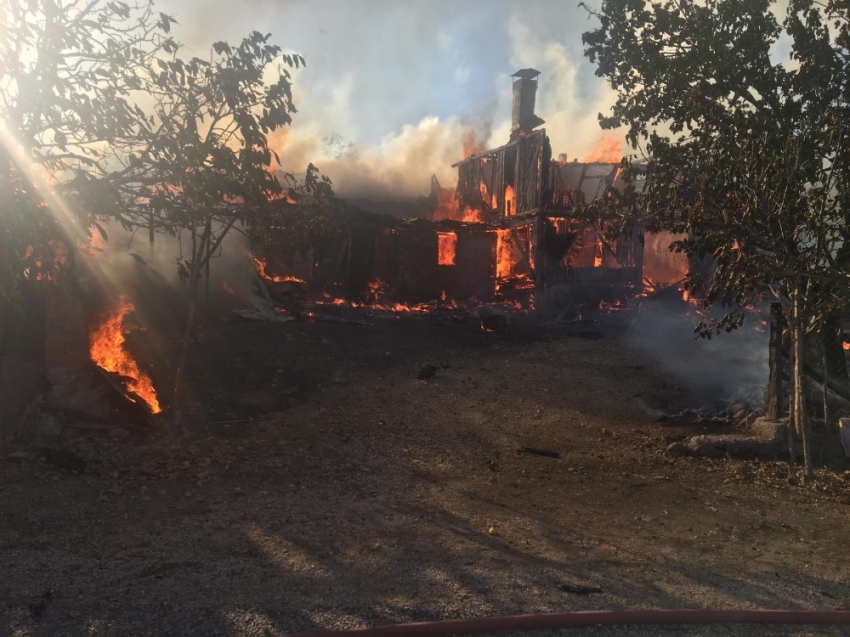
404	81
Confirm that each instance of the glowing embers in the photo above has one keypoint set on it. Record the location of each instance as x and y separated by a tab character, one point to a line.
446	248
106	348
260	264
372	303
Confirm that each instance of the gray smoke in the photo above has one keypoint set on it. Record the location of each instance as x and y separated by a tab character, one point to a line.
728	368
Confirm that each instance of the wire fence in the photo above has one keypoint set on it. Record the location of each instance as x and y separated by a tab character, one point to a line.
826	371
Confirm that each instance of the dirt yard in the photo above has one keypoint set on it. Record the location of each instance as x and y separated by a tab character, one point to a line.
321	484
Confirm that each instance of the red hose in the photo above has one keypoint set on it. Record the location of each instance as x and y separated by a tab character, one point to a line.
591	618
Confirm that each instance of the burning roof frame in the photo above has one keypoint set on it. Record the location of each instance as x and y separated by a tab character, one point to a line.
545	200
515	165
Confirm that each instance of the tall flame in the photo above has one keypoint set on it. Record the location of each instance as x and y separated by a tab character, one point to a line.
107	350
504	254
449	208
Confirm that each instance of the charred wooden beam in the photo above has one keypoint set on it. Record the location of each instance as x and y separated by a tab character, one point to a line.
516	221
540	252
494	151
523	252
131	403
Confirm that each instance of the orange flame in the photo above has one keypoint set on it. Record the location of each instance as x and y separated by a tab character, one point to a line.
510	200
449	208
327	299
609	150
107	351
597	258
505	259
446	248
846	346
261	270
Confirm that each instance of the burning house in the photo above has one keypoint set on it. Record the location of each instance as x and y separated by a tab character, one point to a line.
508	229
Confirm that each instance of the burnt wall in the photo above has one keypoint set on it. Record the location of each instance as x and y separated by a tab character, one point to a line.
474	273
419	275
412	255
361	258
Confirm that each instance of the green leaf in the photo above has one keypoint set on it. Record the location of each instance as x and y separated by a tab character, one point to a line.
221	47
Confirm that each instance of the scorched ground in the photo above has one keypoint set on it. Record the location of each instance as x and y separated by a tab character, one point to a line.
321	484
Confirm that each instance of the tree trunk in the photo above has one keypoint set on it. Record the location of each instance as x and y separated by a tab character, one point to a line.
151	235
776	362
198	254
825	384
801	423
207	271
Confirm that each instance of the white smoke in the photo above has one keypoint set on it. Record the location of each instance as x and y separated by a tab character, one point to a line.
728	368
406	82
400	166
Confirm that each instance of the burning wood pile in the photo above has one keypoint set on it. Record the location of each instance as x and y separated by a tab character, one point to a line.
108	352
106	391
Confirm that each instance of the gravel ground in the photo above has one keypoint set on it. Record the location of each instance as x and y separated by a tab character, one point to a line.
372	497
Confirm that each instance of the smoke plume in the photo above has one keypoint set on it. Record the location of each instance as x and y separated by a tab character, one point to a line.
407	86
728	368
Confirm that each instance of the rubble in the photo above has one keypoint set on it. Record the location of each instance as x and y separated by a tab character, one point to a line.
739	411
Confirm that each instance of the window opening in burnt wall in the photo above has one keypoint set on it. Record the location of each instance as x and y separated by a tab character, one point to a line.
446	248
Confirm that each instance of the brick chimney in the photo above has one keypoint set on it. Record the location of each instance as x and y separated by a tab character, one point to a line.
525	91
